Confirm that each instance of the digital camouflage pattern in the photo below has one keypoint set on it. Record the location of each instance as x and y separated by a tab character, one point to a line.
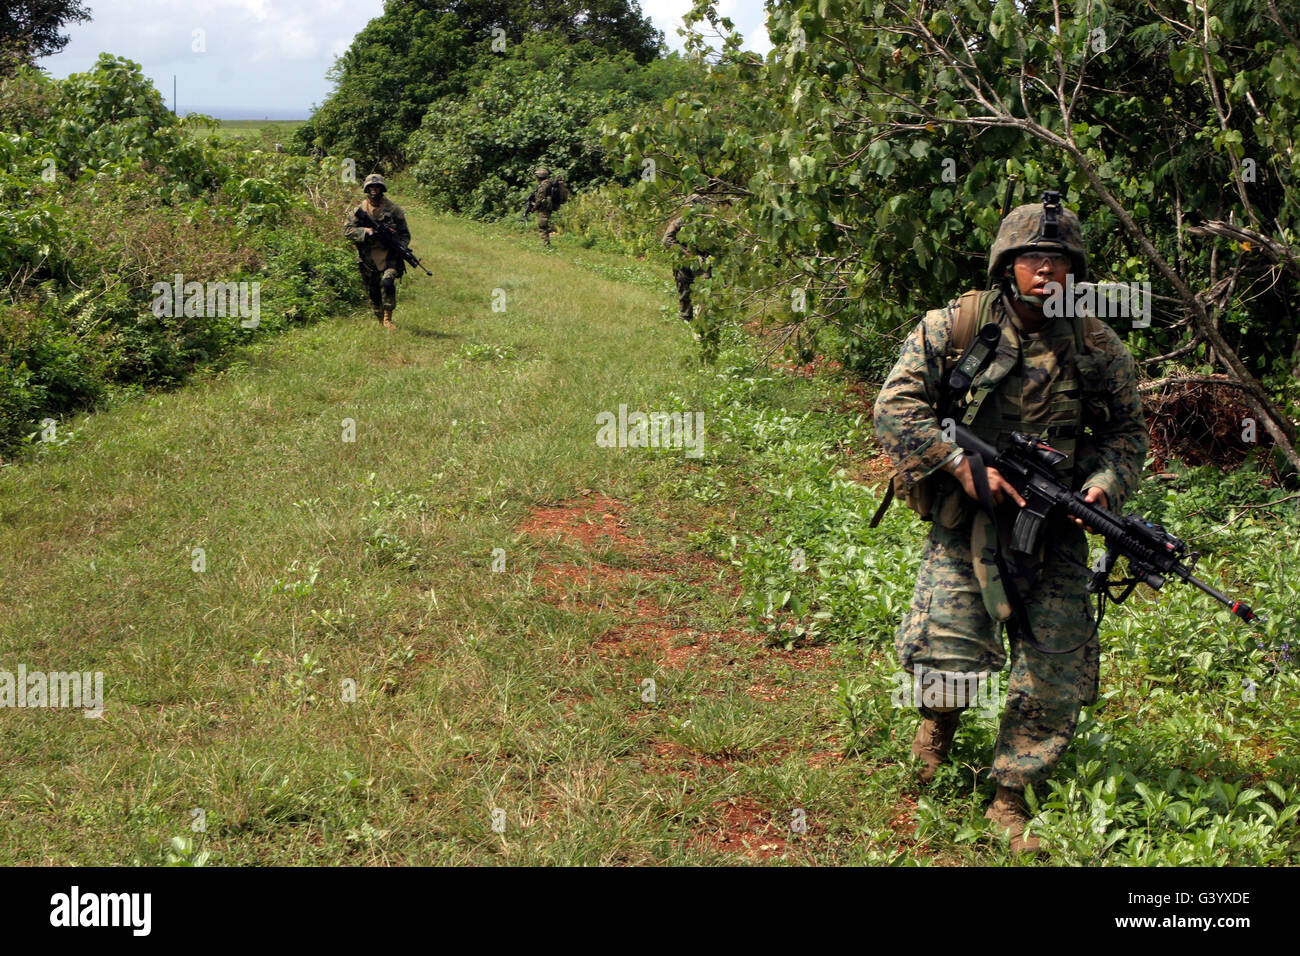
949	629
1022	230
957	603
380	266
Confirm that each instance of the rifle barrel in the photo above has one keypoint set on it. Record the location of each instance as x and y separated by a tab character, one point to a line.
1242	611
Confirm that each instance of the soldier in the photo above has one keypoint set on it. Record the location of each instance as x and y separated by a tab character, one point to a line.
1067	379
541	202
685	273
380	266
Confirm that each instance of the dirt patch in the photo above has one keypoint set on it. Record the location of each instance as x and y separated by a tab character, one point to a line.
589	520
594	520
821	758
761	691
812	657
740	826
871	471
678	759
819	365
563	583
645	631
904	821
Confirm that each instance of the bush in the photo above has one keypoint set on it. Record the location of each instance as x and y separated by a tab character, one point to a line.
135	198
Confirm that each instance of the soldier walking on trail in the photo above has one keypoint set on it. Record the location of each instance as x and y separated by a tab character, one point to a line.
549	195
380	266
685	272
1066	379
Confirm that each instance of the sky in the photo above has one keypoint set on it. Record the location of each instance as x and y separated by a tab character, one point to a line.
267	59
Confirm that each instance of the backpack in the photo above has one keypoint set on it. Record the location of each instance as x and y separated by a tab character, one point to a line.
974	310
557	193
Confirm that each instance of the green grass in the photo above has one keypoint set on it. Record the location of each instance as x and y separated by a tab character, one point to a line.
273	131
332	565
223	686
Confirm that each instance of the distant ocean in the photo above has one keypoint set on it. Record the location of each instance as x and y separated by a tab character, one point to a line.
243	113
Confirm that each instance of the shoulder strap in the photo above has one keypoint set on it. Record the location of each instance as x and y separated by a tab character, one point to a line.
972	311
969	307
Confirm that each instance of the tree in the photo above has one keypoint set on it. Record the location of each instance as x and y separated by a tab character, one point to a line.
419	51
29	29
542	103
1170	126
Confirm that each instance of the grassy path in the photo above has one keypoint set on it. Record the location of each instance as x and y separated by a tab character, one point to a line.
238	570
369	598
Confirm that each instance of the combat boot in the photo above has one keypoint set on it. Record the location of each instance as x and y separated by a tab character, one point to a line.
379	316
388	319
933	741
1008	811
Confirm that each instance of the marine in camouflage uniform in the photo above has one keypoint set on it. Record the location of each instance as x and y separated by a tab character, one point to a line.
1082	401
540	203
380	266
685	273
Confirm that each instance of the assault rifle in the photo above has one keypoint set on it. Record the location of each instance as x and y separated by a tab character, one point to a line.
1028	465
388	236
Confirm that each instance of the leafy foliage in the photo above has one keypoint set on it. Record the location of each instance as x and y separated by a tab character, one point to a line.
29	29
420	51
103	194
543	105
869	167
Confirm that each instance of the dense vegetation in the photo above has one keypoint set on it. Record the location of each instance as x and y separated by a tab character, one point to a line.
31	28
418	52
103	193
543	103
869	155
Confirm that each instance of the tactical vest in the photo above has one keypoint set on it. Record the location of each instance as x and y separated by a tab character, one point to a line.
1047	384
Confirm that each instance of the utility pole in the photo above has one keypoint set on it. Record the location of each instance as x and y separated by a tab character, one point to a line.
173	94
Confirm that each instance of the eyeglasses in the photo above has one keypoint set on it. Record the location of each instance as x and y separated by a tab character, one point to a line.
1054	260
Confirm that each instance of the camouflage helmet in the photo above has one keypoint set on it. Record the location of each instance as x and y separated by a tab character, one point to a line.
542	172
1022	230
374	179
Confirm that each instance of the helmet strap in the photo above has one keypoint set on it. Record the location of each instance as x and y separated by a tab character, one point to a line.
1011	288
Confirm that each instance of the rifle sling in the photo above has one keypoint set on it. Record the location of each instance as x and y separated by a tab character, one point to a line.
884	505
1019	616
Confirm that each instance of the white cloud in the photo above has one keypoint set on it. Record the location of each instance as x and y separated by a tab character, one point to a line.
259	54
273	54
748	15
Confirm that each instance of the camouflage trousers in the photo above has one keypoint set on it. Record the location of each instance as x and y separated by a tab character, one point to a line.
544	226
381	287
948	629
684	276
